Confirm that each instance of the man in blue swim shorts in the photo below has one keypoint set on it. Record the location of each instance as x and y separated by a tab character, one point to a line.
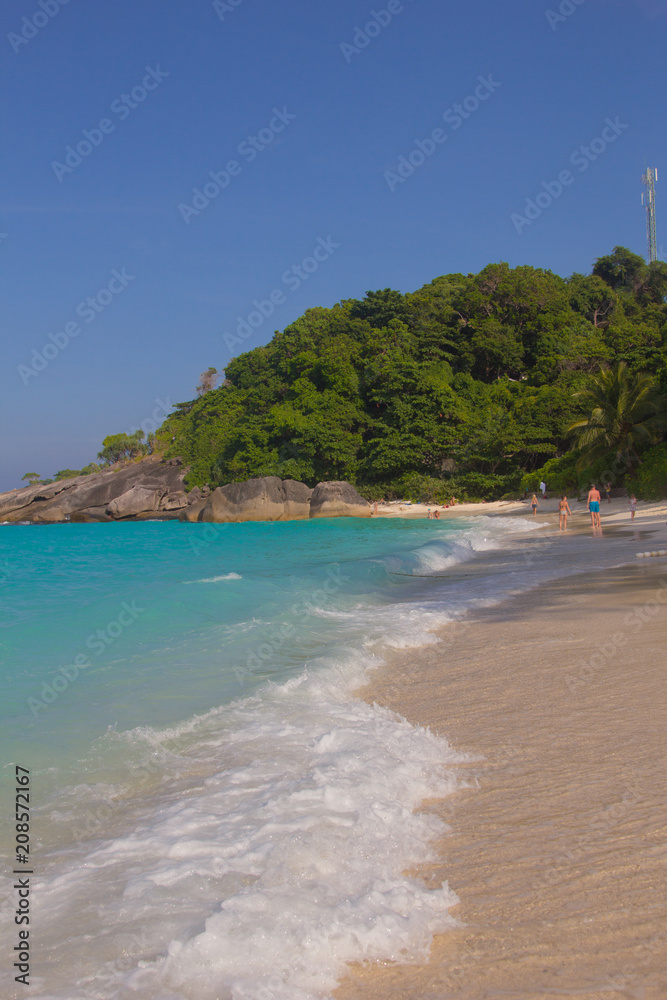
594	506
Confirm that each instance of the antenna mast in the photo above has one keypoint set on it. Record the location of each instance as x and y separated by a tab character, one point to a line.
648	179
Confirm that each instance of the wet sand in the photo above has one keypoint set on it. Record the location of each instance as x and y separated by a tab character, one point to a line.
556	848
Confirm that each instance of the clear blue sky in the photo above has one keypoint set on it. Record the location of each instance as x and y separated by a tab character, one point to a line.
200	81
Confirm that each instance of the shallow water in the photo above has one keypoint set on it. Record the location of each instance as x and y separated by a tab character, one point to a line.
216	814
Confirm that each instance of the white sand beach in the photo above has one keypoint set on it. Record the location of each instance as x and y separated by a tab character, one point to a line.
556	847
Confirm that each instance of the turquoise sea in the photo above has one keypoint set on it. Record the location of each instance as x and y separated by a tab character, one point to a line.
214	814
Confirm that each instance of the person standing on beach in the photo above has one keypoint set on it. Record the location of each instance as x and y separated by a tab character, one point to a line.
633	506
607	492
534	503
543	490
594	506
563	511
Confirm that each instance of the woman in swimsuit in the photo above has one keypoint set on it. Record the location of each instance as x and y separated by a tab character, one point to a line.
534	503
563	511
633	506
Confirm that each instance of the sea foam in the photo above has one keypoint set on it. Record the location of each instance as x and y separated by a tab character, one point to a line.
217	579
275	870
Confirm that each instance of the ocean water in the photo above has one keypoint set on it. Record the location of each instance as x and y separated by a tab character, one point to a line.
214	813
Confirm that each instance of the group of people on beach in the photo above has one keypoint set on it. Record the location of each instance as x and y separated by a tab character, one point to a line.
563	509
435	514
431	514
593	500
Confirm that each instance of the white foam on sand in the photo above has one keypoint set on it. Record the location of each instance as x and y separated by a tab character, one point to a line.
268	874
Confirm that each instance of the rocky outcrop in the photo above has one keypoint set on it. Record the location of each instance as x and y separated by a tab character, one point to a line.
193	512
338	499
135	501
150	488
155	489
175	501
297	499
268	498
272	499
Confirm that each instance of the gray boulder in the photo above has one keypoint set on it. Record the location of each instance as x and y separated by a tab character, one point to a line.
50	515
135	501
174	501
90	515
338	499
267	498
192	512
296	500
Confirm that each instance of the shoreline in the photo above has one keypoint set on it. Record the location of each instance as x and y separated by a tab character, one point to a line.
618	511
554	845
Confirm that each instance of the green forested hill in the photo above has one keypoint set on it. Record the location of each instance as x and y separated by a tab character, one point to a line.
462	386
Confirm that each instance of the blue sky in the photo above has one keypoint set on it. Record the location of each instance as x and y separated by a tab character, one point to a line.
305	131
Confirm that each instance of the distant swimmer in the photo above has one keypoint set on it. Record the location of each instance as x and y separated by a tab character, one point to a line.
534	503
563	511
594	506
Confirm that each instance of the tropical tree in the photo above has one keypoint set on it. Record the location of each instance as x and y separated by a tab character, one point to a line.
116	447
32	477
620	268
66	474
90	469
626	413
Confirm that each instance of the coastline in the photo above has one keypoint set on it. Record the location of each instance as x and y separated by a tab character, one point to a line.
616	511
554	847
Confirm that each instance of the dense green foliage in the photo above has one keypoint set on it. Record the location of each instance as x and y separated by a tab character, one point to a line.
464	385
648	483
66	474
116	447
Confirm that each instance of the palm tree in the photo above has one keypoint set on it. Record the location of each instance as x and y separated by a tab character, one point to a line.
626	412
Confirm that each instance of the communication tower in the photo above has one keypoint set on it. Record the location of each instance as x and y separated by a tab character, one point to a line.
649	179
